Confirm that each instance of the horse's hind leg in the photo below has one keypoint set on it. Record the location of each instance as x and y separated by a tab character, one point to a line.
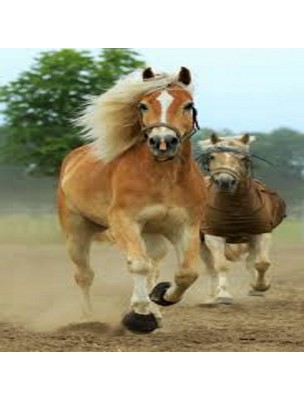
79	233
78	245
206	257
259	262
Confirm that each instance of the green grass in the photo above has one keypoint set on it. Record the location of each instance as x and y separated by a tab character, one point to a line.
44	228
29	229
290	231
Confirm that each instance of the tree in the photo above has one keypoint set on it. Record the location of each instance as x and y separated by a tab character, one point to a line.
284	149
42	101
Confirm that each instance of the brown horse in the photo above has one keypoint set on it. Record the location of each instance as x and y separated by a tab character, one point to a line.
138	183
239	216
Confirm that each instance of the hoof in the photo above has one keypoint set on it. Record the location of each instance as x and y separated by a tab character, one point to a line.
158	292
224	300
140	323
260	289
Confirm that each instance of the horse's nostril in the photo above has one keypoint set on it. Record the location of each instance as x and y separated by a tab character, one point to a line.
171	140
152	141
174	141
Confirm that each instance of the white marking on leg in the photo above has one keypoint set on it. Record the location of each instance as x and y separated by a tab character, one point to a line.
250	263
217	245
223	285
140	301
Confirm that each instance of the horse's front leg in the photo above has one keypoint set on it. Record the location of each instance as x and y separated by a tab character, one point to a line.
187	245
127	235
216	245
156	249
258	262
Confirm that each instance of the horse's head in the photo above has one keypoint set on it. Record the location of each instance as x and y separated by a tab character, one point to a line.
227	165
168	116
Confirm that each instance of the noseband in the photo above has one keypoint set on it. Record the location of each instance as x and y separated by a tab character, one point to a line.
204	159
181	138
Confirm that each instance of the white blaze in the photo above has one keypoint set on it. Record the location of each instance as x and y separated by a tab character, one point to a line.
165	99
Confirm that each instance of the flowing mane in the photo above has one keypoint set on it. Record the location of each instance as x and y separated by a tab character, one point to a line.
111	120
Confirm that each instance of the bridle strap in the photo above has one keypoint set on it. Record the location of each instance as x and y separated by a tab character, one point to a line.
226	171
180	136
148	128
204	158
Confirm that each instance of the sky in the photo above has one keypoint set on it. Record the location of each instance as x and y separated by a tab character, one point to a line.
238	89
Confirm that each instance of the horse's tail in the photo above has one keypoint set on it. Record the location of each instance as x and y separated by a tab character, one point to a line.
234	252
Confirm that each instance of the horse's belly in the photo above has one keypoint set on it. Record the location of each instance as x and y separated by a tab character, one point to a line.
161	219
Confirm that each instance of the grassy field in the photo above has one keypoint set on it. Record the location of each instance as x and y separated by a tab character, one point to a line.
290	231
44	228
29	229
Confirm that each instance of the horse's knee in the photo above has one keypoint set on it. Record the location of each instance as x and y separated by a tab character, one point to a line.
138	266
84	278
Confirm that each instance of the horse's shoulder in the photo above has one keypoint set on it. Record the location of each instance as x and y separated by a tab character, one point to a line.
261	186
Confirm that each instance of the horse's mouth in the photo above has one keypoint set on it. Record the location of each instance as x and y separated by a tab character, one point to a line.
163	158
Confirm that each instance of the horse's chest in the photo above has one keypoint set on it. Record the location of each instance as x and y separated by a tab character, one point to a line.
159	215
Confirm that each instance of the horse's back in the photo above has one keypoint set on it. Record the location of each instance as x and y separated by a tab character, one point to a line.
275	206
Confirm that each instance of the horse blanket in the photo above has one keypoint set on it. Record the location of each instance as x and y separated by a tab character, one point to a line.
253	209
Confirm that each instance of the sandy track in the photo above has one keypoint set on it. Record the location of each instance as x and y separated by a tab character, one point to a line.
39	307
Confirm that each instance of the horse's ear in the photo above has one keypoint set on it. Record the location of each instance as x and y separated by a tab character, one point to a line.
148	74
214	138
184	76
245	138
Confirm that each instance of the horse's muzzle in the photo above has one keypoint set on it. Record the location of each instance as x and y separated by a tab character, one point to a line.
163	146
225	181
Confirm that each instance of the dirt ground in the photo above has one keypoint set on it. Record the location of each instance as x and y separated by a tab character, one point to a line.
40	311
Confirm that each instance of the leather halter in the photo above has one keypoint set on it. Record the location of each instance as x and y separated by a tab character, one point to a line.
225	171
204	159
181	138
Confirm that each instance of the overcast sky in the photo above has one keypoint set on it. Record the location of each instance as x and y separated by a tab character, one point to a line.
239	89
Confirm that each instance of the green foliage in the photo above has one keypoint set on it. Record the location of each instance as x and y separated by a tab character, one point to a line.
42	101
284	148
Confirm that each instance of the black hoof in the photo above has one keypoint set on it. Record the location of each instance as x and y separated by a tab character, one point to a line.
158	293
140	323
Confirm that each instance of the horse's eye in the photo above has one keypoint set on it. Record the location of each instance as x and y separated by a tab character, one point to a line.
211	157
142	107
188	107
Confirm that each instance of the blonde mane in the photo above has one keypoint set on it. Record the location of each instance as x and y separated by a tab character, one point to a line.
111	121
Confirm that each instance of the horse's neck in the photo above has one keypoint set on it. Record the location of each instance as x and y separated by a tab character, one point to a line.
245	198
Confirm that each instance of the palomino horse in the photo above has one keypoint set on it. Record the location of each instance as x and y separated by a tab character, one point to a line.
239	217
138	183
